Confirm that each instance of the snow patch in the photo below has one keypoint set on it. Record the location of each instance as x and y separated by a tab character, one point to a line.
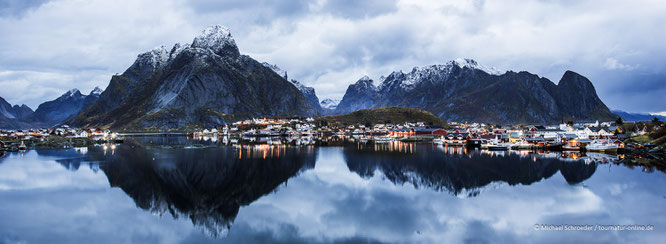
470	63
214	38
330	103
96	91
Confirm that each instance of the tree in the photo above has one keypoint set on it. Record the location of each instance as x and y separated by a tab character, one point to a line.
619	121
656	121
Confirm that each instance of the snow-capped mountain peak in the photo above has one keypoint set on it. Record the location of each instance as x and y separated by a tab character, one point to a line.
330	103
71	93
471	63
218	39
96	91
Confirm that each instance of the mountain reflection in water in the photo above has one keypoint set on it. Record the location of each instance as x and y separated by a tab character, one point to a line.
459	170
207	185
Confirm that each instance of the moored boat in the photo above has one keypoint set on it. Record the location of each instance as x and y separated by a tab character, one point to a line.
22	146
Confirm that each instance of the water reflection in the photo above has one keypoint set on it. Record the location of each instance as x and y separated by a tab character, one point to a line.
388	192
460	171
208	186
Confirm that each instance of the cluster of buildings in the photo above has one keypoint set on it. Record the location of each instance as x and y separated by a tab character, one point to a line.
579	133
61	131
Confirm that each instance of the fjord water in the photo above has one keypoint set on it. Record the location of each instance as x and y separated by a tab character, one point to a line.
169	190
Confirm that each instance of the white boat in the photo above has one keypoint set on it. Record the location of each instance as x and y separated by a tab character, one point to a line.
438	141
22	146
495	145
499	147
599	146
384	139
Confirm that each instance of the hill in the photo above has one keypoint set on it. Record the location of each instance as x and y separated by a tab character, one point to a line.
395	115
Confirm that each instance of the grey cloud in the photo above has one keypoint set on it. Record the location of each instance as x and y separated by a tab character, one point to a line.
262	12
353	9
16	8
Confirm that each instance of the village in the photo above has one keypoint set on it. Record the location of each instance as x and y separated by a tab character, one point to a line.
55	138
593	136
586	135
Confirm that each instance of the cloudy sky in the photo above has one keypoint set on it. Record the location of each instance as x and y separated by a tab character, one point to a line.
49	47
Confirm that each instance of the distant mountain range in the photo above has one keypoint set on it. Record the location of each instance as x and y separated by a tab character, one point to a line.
329	103
463	90
637	116
208	83
48	114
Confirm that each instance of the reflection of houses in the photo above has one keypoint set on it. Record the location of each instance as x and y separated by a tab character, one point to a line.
456	138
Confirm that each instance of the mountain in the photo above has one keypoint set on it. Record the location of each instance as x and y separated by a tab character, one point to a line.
54	112
328	103
361	95
463	90
307	91
12	112
204	84
11	116
395	115
637	116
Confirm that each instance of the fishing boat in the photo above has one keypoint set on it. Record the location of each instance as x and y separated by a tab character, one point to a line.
601	146
383	139
22	146
496	145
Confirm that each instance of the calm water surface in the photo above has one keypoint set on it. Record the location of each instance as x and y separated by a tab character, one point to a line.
144	191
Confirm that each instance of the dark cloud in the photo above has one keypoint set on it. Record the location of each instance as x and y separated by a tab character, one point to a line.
16	8
353	9
261	12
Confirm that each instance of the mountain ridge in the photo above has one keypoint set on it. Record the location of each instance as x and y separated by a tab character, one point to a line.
466	92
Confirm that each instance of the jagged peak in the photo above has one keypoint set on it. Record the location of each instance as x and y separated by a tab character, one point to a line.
177	49
96	91
218	39
329	103
365	82
471	63
156	57
71	92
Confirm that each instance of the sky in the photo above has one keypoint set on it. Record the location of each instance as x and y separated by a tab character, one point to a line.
49	47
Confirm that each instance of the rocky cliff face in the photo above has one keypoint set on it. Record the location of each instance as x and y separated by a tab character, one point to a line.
361	95
463	90
308	92
204	84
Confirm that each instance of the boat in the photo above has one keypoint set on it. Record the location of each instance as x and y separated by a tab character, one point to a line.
499	147
570	148
384	139
22	146
495	145
601	146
